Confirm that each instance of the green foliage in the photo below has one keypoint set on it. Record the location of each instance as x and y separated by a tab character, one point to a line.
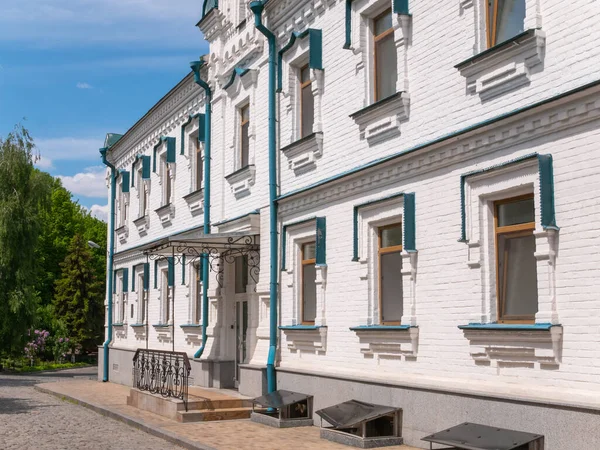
24	193
79	294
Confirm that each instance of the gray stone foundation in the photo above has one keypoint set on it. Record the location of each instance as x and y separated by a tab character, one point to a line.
357	441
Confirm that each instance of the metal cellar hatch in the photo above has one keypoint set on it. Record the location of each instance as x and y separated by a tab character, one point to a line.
362	425
283	409
472	436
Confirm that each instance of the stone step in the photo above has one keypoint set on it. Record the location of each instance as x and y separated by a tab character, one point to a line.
216	404
213	414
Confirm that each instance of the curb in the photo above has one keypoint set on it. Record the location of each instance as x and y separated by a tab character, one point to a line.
132	422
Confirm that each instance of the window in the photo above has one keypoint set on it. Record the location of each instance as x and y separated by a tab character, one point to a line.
141	299
143	195
198	287
390	277
307	103
309	287
516	266
244	136
167	184
122	206
166	293
505	19
241	274
198	164
385	63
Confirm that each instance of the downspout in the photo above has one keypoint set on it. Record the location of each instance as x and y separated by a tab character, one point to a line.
257	8
196	66
111	250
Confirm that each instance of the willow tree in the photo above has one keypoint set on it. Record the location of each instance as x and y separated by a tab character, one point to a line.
24	192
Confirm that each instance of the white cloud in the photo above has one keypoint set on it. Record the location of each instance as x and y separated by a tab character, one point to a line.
81	85
100	212
90	183
67	149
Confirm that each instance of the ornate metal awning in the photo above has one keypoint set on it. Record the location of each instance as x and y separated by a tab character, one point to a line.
216	249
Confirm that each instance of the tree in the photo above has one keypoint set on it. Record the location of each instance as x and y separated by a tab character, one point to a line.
78	294
24	193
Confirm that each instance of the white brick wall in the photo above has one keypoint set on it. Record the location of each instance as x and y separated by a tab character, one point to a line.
448	292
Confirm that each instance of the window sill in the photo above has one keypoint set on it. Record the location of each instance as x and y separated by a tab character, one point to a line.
190	325
242	180
388	341
142	224
118	324
122	233
303	153
137	325
306	338
166	213
515	345
195	201
162	325
504	67
381	120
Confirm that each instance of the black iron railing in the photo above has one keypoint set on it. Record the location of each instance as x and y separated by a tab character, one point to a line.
162	372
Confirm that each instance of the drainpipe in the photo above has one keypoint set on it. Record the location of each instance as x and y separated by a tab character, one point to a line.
257	8
196	66
111	249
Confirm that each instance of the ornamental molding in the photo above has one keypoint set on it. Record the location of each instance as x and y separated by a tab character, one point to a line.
381	121
302	155
581	108
162	120
122	233
378	343
142	224
516	348
166	214
305	340
241	181
195	201
214	24
239	51
288	15
503	69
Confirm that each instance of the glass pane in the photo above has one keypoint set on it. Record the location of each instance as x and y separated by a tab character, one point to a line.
245	113
198	170
241	274
308	110
309	293
386	67
391	236
517	270
309	251
304	74
198	292
244	329
513	213
510	20
245	145
383	22
391	287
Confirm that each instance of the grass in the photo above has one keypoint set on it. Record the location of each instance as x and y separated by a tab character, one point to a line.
47	366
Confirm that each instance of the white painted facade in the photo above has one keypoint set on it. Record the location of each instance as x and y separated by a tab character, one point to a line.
446	122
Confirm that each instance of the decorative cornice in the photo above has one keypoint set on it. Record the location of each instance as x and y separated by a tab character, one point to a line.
509	130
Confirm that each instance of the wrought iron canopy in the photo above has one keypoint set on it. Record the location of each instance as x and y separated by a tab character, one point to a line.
216	249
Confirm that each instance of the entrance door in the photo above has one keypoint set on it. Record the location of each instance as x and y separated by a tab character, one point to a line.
241	331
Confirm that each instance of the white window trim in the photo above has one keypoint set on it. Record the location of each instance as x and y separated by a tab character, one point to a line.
163	295
193	288
362	43
481	191
142	185
192	137
297	236
370	219
140	297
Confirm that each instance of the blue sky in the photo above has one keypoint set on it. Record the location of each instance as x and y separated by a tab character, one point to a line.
77	69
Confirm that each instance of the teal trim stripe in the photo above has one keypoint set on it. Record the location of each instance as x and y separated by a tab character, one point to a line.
315	51
125	178
284	238
135	161
546	176
146	276
401	7
355	218
348	24
171	271
410	223
438	140
201	130
321	242
146	167
182	269
236	72
170	150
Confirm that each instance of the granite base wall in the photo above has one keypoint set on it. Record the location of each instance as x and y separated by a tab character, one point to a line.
253	380
425	411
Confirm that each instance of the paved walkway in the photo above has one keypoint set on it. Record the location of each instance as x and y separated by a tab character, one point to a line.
110	399
33	420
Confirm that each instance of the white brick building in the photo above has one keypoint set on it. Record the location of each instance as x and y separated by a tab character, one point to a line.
445	164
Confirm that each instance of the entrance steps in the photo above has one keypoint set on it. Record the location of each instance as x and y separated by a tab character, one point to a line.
203	405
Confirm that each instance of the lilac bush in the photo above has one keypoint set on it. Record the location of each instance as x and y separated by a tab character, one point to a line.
36	346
